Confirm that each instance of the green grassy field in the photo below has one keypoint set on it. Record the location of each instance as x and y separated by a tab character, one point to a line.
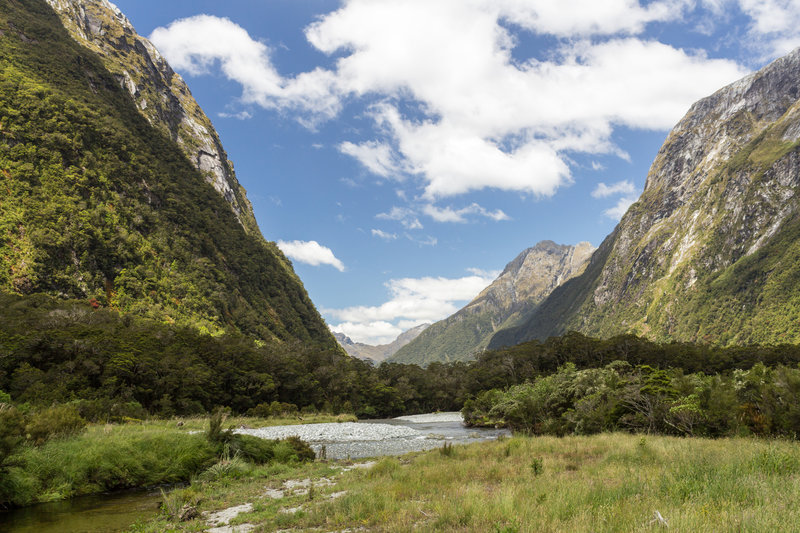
107	457
607	482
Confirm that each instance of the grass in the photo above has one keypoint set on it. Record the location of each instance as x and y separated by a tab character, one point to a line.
608	482
116	456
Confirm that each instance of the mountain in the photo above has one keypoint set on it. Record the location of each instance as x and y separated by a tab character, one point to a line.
381	351
159	93
508	301
116	189
710	252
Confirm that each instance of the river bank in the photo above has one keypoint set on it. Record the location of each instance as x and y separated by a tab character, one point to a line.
112	457
605	482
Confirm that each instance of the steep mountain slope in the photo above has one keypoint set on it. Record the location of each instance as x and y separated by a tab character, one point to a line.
524	283
98	204
160	94
378	352
711	251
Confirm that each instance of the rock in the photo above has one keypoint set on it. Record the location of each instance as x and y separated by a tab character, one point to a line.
224	516
188	512
160	93
523	284
707	254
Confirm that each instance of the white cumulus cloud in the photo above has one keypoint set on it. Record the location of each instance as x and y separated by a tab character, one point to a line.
311	253
621	187
405	215
624	189
619	209
412	301
378	158
480	118
448	214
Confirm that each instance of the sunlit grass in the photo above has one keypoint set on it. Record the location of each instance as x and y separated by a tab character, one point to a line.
116	456
608	482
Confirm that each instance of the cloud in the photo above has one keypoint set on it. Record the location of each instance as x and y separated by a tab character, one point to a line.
384	235
426	241
378	158
311	253
620	208
241	115
621	187
625	189
775	25
406	216
412	301
448	214
455	110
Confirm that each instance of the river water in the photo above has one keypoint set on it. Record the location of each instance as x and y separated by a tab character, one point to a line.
370	438
367	438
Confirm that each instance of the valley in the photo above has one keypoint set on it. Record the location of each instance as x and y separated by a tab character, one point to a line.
152	337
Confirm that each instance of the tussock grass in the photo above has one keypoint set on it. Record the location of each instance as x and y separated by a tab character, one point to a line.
98	462
607	482
109	457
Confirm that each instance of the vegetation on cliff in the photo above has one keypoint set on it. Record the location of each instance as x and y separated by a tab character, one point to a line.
96	204
709	253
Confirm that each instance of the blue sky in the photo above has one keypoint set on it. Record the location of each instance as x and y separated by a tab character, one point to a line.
402	152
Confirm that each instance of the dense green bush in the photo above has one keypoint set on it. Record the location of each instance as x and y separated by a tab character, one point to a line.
55	421
12	432
301	448
276	408
253	449
759	401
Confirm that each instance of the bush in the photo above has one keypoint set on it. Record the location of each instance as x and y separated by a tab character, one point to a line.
55	421
109	410
12	431
301	448
253	449
274	409
215	433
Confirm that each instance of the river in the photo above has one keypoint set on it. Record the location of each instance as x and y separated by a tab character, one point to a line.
366	438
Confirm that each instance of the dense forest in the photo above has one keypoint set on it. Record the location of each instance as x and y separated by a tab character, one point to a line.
113	365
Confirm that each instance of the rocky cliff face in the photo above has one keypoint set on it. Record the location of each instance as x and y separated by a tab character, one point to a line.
160	94
112	200
381	352
524	283
709	252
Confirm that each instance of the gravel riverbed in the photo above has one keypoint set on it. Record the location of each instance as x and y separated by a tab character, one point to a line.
371	438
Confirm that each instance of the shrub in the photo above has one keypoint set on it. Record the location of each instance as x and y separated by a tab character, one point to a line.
55	421
109	410
253	449
301	448
215	433
12	430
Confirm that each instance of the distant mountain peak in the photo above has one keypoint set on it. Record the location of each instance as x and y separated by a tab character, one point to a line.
709	251
378	352
524	282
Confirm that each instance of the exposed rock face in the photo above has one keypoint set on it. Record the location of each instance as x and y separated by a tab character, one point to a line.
100	204
160	94
380	352
524	283
708	253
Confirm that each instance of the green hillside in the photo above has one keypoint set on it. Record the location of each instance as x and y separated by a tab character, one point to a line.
711	251
96	204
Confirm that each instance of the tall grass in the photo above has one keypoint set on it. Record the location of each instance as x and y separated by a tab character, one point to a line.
98	462
608	482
